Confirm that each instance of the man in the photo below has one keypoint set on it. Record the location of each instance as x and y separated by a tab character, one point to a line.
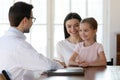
17	55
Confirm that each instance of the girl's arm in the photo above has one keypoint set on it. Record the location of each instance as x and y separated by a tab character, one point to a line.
101	61
72	59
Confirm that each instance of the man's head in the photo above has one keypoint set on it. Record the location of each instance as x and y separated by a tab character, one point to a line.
20	14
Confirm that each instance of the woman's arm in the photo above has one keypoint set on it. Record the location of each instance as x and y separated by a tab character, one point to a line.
72	59
59	50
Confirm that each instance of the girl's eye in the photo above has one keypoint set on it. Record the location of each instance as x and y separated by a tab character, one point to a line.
86	30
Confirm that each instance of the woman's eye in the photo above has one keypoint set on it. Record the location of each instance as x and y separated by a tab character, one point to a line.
80	30
69	26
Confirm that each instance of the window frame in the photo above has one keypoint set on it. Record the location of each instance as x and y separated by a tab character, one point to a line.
50	26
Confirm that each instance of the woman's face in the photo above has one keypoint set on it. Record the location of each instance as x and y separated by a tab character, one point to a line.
72	27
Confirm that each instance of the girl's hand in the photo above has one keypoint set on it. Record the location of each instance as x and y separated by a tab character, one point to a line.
84	64
79	63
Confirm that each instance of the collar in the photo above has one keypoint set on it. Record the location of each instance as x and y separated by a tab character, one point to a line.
15	32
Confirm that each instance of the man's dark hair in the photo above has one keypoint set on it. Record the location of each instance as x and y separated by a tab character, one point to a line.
18	11
68	17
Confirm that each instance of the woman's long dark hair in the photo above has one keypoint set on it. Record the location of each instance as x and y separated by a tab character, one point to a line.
68	17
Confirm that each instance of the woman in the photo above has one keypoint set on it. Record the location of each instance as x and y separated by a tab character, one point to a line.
71	30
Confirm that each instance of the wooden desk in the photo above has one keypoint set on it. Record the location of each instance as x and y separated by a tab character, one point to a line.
2	77
93	73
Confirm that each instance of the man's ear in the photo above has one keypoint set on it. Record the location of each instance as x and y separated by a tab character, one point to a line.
24	21
95	30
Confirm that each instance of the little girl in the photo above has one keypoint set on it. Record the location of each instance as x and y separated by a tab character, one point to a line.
88	52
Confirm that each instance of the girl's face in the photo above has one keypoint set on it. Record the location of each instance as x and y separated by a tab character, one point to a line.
86	32
72	27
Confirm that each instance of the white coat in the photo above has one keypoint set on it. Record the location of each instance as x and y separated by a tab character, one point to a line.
18	55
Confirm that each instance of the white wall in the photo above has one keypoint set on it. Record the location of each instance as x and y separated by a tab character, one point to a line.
114	26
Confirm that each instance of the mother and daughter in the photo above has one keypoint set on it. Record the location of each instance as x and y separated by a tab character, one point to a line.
80	48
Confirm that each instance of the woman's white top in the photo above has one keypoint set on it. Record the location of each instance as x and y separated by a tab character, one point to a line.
17	55
65	50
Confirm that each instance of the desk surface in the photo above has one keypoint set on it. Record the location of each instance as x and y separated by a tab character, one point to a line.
91	73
